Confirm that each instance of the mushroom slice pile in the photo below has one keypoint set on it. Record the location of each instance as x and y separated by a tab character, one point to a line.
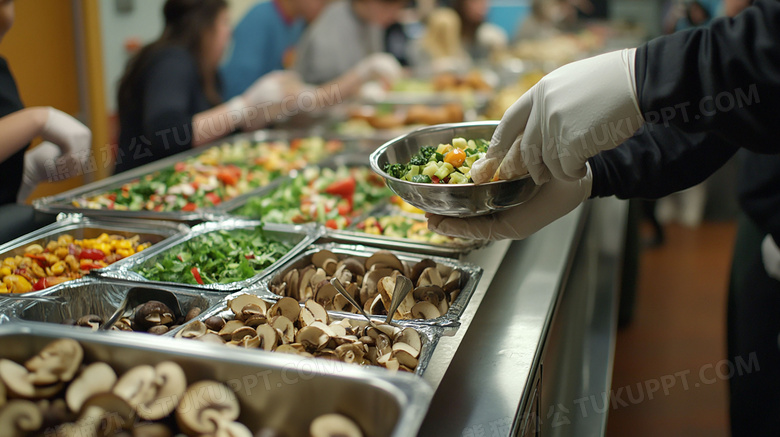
45	374
209	408
334	425
436	285
307	330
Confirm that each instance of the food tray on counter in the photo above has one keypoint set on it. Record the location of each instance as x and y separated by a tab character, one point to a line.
422	244
296	236
429	335
450	321
300	181
73	200
77	299
80	227
276	391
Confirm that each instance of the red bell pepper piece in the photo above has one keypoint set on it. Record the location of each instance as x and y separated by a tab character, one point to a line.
189	207
214	198
344	188
196	274
93	254
331	224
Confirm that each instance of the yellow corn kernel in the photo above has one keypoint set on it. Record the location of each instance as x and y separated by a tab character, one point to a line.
37	270
104	238
124	253
64	240
72	262
61	252
123	244
142	247
5	271
17	284
53	258
34	249
51	246
58	268
105	247
4	289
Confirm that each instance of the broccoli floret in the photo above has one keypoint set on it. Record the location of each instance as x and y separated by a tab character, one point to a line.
396	170
421	178
418	160
426	152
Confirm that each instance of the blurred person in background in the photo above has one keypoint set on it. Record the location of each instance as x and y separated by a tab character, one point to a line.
66	142
264	41
441	49
346	45
169	95
480	38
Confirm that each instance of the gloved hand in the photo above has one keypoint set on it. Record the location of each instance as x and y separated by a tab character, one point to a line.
40	164
69	134
554	200
492	37
270	88
770	255
573	113
382	66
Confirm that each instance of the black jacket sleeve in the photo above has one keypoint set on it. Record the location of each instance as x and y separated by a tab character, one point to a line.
758	193
658	161
723	79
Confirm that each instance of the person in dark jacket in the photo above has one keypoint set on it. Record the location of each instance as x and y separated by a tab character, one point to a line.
169	96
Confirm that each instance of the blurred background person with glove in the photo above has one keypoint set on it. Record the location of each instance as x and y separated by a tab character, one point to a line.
67	141
264	41
480	38
695	112
169	96
345	45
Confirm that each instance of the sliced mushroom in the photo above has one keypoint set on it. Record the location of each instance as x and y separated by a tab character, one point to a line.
318	311
340	303
95	378
18	382
92	321
287	307
304	283
406	355
325	258
212	338
350	353
268	337
430	276
239	302
425	310
255	321
333	425
227	331
388	361
288	349
137	385
386	288
313	338
245	337
158	330
338	330
285	327
291	279
20	417
370	281
168	386
152	313
194	329
57	362
453	281
250	311
104	413
384	258
192	313
376	306
215	323
419	267
206	407
410	337
325	295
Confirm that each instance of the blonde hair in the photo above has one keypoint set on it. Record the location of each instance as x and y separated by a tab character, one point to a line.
442	35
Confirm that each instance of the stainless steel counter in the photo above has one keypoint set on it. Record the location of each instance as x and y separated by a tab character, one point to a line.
552	305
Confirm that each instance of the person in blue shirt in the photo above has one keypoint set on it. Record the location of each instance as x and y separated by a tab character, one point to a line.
264	41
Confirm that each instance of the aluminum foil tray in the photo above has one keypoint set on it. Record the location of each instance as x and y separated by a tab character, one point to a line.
74	299
63	202
299	237
279	391
80	227
429	335
450	322
354	236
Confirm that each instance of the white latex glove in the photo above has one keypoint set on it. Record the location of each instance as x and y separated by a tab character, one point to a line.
381	66
554	200
272	87
573	113
770	255
68	133
40	164
492	37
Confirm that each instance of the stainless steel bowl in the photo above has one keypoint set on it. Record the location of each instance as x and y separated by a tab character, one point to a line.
457	200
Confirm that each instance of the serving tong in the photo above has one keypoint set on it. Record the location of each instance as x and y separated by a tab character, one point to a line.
403	286
140	295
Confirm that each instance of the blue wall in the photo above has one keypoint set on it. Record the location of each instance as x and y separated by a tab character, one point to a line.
508	14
